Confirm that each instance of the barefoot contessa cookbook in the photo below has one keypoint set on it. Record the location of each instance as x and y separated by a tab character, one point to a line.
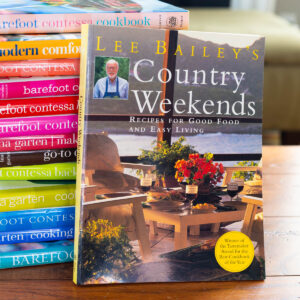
169	183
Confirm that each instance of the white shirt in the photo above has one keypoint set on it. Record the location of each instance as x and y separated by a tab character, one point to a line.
100	87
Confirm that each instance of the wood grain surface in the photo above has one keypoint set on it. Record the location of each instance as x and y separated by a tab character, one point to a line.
281	171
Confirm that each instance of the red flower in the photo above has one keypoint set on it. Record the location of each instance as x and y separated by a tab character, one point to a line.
196	168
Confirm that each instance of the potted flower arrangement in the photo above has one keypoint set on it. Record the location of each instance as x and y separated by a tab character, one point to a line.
106	251
164	157
199	173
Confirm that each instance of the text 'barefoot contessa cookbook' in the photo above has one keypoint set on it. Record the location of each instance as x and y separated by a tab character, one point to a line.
169	183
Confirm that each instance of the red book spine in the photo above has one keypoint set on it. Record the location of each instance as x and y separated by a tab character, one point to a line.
39	106
47	67
46	142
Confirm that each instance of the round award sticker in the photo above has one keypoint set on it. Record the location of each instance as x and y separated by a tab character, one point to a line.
234	251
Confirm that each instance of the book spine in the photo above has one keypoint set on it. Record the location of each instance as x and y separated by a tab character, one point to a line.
81	111
43	218
13	127
38	106
47	23
60	171
38	197
25	258
44	142
38	88
36	236
28	158
55	67
44	49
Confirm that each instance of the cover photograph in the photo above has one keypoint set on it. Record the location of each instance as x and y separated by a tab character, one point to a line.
169	166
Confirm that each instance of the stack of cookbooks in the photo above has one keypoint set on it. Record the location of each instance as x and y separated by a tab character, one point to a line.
38	140
39	86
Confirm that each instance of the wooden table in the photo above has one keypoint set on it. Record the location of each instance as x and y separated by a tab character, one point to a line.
182	220
281	166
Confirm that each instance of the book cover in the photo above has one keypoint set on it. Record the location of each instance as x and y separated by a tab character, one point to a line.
38	106
44	125
33	219
169	147
37	235
38	142
39	157
33	254
38	16
53	67
39	48
57	171
21	195
38	87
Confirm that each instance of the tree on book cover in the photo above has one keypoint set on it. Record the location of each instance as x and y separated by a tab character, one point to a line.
183	111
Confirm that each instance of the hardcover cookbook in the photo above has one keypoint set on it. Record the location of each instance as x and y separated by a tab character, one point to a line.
169	181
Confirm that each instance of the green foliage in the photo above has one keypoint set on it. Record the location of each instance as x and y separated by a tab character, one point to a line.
208	156
244	174
106	250
164	156
100	63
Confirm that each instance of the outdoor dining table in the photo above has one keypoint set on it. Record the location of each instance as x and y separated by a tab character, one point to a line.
182	219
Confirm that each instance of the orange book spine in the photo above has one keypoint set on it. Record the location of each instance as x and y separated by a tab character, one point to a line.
45	49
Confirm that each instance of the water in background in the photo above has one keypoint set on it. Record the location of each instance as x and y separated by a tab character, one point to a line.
216	143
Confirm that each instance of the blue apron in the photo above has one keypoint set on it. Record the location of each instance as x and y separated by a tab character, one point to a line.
115	94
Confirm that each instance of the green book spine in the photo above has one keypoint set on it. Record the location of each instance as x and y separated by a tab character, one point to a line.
59	171
37	197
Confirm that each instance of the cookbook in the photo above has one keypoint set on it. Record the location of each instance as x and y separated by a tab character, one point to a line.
169	181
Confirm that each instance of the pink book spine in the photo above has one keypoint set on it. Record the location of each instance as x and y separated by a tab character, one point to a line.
38	88
38	126
37	142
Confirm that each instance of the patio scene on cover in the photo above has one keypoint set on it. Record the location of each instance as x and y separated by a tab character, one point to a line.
158	219
161	184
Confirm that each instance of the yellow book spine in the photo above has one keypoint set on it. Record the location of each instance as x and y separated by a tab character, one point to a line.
80	141
45	49
37	197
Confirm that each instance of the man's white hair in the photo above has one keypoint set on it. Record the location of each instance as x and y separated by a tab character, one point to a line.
112	61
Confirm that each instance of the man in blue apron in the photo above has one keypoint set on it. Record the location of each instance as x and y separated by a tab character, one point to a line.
111	86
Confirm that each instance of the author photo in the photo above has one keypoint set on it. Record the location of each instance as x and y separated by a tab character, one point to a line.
111	78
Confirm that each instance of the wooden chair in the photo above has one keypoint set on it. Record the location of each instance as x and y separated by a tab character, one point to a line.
251	210
103	158
229	171
141	232
251	227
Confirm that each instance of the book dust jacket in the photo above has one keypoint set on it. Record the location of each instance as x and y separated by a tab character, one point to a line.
169	183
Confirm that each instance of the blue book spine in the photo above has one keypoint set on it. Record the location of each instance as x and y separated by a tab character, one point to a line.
42	218
35	236
31	254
